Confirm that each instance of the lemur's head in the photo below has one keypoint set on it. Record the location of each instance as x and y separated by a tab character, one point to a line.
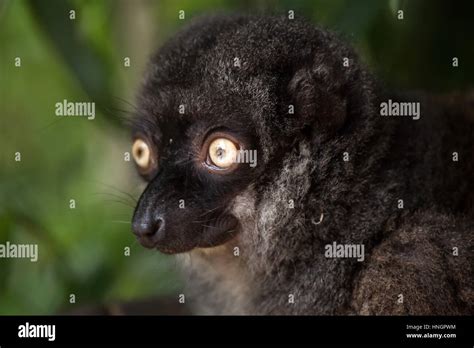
222	105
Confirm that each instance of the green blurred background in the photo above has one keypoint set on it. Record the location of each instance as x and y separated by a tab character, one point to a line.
81	250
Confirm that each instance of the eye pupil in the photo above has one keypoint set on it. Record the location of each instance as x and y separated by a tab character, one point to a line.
220	152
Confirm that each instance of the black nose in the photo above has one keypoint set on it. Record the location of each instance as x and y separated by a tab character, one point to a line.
148	229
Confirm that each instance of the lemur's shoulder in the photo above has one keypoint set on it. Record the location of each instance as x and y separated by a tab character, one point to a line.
422	267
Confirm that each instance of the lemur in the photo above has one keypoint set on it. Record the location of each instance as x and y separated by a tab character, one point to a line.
331	170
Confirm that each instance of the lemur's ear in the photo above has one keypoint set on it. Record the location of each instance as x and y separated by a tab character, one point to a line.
317	94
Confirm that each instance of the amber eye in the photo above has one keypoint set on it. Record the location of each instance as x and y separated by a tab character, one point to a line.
141	153
222	153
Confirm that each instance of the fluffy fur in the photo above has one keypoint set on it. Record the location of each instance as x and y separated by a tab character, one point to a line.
408	251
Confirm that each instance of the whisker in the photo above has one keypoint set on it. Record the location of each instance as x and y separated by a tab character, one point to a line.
135	200
116	196
121	221
210	211
184	161
121	202
126	102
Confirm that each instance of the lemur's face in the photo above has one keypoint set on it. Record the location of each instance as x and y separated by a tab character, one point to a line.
196	160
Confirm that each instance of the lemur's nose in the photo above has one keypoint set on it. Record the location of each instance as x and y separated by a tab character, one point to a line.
148	229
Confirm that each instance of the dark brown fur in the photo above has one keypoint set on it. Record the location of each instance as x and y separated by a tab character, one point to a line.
408	251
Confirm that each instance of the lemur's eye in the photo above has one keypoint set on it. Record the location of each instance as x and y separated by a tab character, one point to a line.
222	153
142	155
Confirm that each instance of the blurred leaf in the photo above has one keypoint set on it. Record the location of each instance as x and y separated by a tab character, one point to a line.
92	70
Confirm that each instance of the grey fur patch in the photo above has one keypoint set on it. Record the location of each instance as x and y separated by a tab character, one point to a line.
293	183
